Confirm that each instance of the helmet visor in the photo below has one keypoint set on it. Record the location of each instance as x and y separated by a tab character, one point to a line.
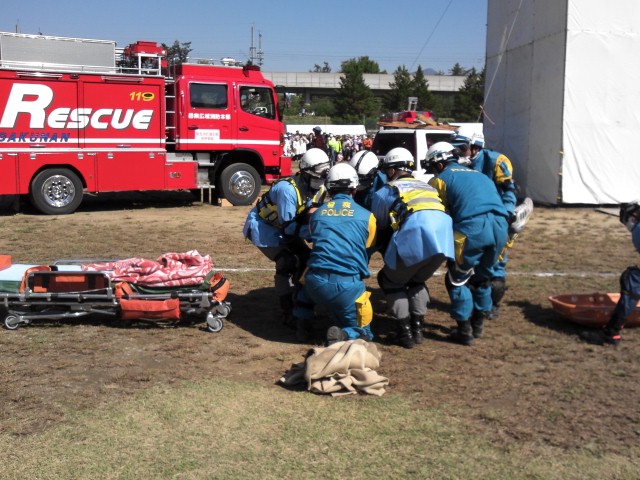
320	170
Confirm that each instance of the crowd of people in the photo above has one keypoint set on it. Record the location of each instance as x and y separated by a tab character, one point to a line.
338	147
322	225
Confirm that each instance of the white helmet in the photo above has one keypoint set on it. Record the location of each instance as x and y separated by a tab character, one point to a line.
399	158
470	134
342	176
315	162
441	152
465	132
366	164
477	139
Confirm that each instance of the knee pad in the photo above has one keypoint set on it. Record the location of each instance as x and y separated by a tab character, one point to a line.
456	275
476	282
498	289
286	263
447	283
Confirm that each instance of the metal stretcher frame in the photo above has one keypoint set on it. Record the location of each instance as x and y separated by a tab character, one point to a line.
63	294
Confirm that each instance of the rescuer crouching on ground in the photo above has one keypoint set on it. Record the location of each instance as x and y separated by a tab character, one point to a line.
341	231
411	215
277	225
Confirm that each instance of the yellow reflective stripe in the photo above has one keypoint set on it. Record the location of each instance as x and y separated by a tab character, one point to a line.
499	171
372	231
441	187
414	195
318	197
422	200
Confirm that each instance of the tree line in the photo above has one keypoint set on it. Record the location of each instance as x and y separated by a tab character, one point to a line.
354	99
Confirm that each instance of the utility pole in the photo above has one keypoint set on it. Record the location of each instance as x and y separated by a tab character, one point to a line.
260	52
252	50
256	57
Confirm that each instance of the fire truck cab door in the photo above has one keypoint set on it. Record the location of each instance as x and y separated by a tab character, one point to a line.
258	124
208	116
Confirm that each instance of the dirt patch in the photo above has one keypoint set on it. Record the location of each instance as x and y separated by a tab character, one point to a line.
528	380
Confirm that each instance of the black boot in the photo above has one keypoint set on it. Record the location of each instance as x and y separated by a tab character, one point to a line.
416	328
303	330
603	336
336	334
463	334
498	289
477	322
405	335
286	304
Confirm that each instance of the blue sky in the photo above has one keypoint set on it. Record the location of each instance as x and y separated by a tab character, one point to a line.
295	35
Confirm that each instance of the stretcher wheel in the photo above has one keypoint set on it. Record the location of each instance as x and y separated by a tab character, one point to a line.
223	309
214	323
11	322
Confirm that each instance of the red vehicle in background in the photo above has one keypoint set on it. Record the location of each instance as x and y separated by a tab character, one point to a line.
80	115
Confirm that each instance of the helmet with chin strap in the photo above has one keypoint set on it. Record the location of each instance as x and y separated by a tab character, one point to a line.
366	165
469	134
315	163
440	152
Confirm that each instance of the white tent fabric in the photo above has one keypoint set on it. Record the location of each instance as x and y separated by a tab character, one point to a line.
332	129
562	97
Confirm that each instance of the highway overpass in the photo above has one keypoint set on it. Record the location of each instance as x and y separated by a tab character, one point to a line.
312	84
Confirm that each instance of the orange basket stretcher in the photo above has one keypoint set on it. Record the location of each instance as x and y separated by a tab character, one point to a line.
590	309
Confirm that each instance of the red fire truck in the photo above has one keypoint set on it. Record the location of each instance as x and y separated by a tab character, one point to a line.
79	115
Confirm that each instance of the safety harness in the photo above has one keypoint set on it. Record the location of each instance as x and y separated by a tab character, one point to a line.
413	195
268	210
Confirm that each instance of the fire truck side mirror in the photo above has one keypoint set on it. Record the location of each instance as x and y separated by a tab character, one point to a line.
282	100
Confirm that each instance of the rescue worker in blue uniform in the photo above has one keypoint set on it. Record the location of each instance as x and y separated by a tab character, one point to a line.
341	231
610	334
420	240
498	168
370	177
277	225
480	234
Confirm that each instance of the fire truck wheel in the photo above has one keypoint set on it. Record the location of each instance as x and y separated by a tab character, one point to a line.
56	191
240	184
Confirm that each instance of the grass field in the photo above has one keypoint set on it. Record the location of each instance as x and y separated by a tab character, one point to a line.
87	399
